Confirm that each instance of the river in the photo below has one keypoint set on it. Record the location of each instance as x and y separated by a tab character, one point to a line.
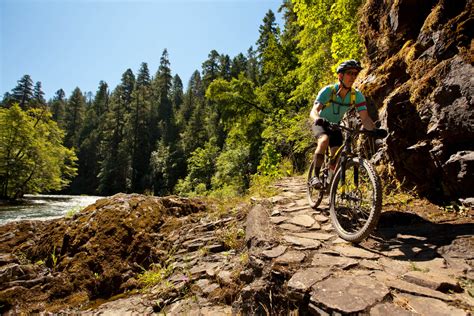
44	207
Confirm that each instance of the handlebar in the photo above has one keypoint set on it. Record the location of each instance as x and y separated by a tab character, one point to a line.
376	133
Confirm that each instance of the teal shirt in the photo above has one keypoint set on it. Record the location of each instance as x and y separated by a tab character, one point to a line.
334	112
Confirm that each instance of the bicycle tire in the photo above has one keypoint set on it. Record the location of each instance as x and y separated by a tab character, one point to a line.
314	196
355	213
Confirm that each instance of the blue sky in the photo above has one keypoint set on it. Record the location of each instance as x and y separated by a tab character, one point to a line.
76	43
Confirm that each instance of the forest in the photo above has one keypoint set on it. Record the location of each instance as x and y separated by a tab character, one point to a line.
241	120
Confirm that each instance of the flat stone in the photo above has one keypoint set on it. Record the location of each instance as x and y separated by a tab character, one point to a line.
202	283
316	226
369	264
291	257
214	248
210	288
274	252
195	246
276	212
295	208
303	242
394	267
348	294
290	227
323	260
303	280
389	309
302	220
314	235
327	227
278	219
225	277
354	252
302	202
280	200
339	240
321	218
437	282
428	306
408	287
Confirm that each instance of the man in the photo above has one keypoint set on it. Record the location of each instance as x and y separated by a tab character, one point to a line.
329	107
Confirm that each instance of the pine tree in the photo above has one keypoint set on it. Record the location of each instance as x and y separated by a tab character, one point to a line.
140	130
177	94
224	67
23	92
57	107
238	65
115	166
210	68
38	96
74	118
91	140
252	70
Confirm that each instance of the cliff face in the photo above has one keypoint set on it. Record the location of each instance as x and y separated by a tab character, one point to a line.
420	76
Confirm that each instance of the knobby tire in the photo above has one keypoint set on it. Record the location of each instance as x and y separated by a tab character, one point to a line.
314	196
355	213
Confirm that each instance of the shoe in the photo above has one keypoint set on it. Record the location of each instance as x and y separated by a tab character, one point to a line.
315	183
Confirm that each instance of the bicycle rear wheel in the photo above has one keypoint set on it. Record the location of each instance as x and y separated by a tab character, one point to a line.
315	196
355	206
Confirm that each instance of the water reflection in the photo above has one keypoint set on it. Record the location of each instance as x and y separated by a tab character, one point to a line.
43	207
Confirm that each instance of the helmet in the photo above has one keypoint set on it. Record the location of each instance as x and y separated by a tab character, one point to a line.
348	64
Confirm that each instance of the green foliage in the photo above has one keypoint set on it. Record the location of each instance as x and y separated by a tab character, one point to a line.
201	167
328	35
32	157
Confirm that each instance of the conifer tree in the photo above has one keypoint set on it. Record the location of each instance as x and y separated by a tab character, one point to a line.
210	68
38	96
140	127
23	92
74	118
224	67
115	166
238	65
177	93
91	142
58	106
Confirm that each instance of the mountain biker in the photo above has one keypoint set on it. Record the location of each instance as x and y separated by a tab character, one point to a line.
329	107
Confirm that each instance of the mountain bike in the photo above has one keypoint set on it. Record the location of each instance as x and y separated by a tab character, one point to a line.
355	191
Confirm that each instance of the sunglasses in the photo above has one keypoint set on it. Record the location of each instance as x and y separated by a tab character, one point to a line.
352	73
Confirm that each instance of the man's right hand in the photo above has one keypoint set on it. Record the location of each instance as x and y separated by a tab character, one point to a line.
321	121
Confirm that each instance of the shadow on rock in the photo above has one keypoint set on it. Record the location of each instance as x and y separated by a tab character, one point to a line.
409	237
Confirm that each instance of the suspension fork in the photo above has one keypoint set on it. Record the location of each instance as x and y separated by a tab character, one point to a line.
343	163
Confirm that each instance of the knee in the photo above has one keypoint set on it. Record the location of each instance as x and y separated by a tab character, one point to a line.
323	141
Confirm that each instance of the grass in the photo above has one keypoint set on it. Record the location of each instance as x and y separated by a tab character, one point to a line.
70	213
156	275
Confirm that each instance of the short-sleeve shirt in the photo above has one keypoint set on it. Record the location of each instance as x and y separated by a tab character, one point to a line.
334	112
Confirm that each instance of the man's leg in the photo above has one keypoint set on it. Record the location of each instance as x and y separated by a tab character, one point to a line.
323	141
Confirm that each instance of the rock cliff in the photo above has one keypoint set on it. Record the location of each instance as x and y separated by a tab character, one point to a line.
420	76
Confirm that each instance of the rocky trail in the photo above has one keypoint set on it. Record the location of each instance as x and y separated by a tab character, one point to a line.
276	256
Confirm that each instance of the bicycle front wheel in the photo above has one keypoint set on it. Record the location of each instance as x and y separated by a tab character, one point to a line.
355	200
314	195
